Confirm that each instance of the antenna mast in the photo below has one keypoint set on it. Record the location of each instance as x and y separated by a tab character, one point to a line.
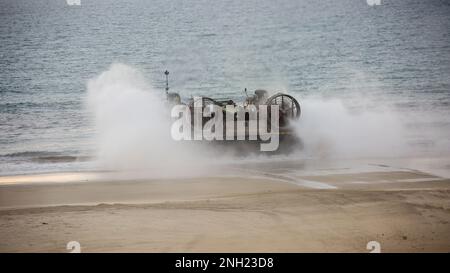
167	81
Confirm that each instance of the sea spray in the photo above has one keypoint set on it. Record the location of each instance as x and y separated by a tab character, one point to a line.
330	129
364	127
132	125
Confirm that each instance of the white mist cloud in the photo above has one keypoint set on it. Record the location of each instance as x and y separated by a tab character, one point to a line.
330	129
133	125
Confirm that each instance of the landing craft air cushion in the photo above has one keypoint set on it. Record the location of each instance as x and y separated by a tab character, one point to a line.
247	114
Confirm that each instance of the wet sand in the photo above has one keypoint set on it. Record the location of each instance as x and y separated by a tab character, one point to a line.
261	207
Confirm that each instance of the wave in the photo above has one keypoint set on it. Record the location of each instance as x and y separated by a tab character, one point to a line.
31	154
46	157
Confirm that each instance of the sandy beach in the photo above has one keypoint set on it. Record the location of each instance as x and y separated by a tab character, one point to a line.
259	207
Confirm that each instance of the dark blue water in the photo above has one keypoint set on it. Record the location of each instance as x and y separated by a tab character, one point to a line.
398	53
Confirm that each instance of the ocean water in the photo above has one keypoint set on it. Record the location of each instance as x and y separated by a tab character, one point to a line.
360	72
